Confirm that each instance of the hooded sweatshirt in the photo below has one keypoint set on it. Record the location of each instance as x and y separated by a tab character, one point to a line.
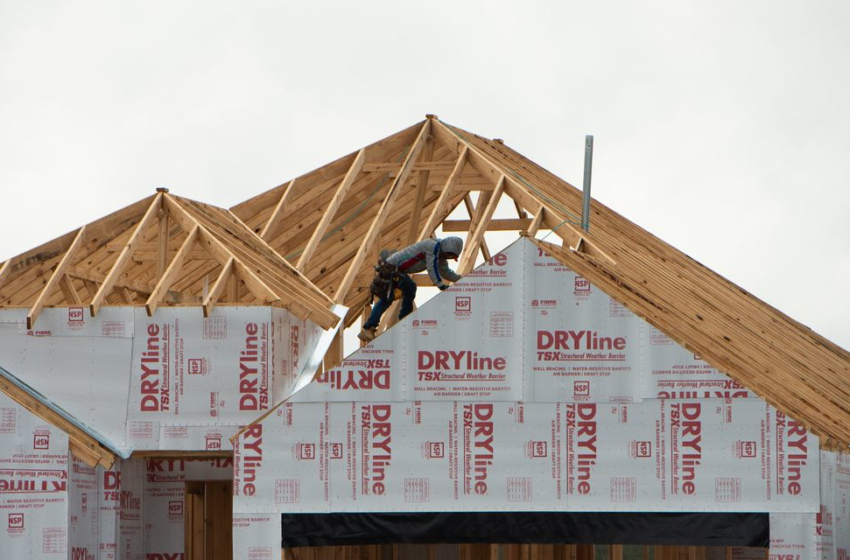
425	256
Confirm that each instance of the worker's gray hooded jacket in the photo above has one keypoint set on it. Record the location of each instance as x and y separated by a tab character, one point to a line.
424	256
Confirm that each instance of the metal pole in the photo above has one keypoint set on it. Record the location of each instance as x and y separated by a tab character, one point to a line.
588	166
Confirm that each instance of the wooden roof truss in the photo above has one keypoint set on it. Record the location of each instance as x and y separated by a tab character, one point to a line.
311	243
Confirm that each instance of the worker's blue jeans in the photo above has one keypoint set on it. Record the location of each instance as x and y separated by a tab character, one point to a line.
408	294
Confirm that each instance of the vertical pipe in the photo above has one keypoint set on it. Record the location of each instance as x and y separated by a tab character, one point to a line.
588	166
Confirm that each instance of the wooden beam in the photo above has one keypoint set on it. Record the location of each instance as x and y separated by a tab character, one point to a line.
438	213
68	289
162	251
221	282
375	228
510	224
335	352
171	273
424	165
271	225
536	222
330	210
85	455
5	269
57	275
470	185
520	211
514	188
153	256
92	281
222	254
109	283
126	295
421	188
295	290
470	210
471	249
49	414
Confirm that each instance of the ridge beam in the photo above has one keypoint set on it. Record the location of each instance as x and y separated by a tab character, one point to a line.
383	212
331	210
127	252
57	275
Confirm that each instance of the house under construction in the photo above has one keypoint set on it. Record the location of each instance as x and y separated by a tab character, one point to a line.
178	384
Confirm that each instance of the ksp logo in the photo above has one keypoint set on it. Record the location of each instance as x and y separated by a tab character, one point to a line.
16	521
643	449
213	442
336	451
463	304
197	366
582	285
175	509
75	314
436	450
307	451
746	449
535	303
539	449
581	388
41	441
415	323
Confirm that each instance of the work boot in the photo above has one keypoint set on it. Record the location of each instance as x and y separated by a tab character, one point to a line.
367	335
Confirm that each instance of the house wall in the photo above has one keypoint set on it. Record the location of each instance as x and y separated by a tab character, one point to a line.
174	381
33	485
525	388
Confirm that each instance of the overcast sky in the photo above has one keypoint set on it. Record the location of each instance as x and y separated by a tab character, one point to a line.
722	127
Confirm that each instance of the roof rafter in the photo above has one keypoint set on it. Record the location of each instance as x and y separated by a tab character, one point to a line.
171	273
270	228
220	251
424	175
55	278
439	213
372	234
124	257
331	209
223	280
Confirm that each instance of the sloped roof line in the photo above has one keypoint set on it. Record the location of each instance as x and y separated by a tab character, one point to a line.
87	443
123	259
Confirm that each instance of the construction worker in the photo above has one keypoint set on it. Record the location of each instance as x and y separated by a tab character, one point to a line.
392	275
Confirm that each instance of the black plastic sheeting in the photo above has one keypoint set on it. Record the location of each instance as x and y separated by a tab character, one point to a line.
689	529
